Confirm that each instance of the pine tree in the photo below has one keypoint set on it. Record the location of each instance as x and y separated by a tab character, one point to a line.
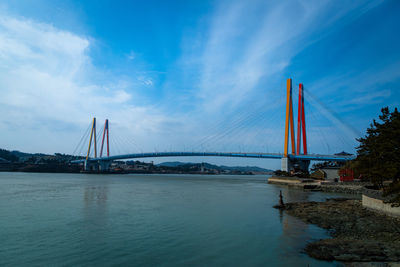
379	151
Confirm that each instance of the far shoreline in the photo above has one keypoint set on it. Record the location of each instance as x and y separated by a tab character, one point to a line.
123	173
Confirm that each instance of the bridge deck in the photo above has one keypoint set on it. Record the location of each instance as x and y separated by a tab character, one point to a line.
316	157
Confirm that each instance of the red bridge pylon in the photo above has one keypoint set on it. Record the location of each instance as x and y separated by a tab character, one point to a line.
106	129
301	123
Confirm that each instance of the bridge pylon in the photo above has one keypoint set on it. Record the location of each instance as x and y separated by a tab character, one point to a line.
289	124
301	123
106	129
87	165
97	164
92	136
288	163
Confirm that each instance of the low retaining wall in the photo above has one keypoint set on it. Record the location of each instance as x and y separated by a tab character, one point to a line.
378	205
342	188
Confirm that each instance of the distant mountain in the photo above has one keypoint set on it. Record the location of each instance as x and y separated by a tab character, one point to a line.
216	167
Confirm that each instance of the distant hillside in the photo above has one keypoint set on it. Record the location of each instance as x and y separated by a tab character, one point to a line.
23	156
40	158
216	167
18	156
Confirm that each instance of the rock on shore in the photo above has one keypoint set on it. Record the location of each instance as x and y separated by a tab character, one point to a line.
358	234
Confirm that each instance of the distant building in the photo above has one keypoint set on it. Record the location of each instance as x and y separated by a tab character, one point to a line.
343	154
326	173
331	173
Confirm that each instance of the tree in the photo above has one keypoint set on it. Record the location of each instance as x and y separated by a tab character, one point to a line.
379	151
7	155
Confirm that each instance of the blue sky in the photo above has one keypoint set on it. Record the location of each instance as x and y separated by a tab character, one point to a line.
194	75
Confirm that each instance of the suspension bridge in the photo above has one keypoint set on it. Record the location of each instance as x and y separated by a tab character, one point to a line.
297	159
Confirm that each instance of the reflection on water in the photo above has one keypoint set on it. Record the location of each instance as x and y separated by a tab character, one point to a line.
294	231
95	203
147	220
95	196
95	200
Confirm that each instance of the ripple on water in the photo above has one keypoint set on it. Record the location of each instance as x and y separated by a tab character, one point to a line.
173	220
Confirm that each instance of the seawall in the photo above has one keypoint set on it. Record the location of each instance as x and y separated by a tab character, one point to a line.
374	201
318	185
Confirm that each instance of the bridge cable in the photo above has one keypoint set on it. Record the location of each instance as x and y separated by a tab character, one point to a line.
82	139
233	132
310	111
239	117
236	123
244	124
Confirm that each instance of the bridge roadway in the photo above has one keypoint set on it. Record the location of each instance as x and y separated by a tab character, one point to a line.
316	157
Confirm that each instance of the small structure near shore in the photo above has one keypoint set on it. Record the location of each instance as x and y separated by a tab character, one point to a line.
281	204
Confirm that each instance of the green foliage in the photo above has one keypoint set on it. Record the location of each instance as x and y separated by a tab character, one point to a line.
379	151
7	155
394	191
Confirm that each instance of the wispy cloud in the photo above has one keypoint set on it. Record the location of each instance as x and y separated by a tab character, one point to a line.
131	55
45	76
233	63
244	55
249	46
372	98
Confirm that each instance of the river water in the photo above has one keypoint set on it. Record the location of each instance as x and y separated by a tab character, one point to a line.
148	220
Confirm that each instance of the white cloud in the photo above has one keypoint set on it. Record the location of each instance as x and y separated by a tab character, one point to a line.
145	80
44	77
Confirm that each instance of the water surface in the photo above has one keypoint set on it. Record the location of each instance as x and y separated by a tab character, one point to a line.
147	220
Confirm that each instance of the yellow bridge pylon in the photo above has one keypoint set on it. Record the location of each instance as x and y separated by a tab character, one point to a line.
92	135
289	119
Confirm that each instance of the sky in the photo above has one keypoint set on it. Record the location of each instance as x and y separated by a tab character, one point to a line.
194	75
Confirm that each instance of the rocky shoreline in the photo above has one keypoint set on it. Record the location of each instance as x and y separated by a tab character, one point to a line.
358	234
354	188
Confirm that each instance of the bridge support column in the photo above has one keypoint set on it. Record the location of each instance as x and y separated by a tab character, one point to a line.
302	165
95	166
86	166
104	166
288	165
91	166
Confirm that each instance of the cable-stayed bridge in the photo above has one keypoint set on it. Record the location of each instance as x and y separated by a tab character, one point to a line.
289	161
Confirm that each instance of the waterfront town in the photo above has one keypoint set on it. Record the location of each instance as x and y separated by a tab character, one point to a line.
60	163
